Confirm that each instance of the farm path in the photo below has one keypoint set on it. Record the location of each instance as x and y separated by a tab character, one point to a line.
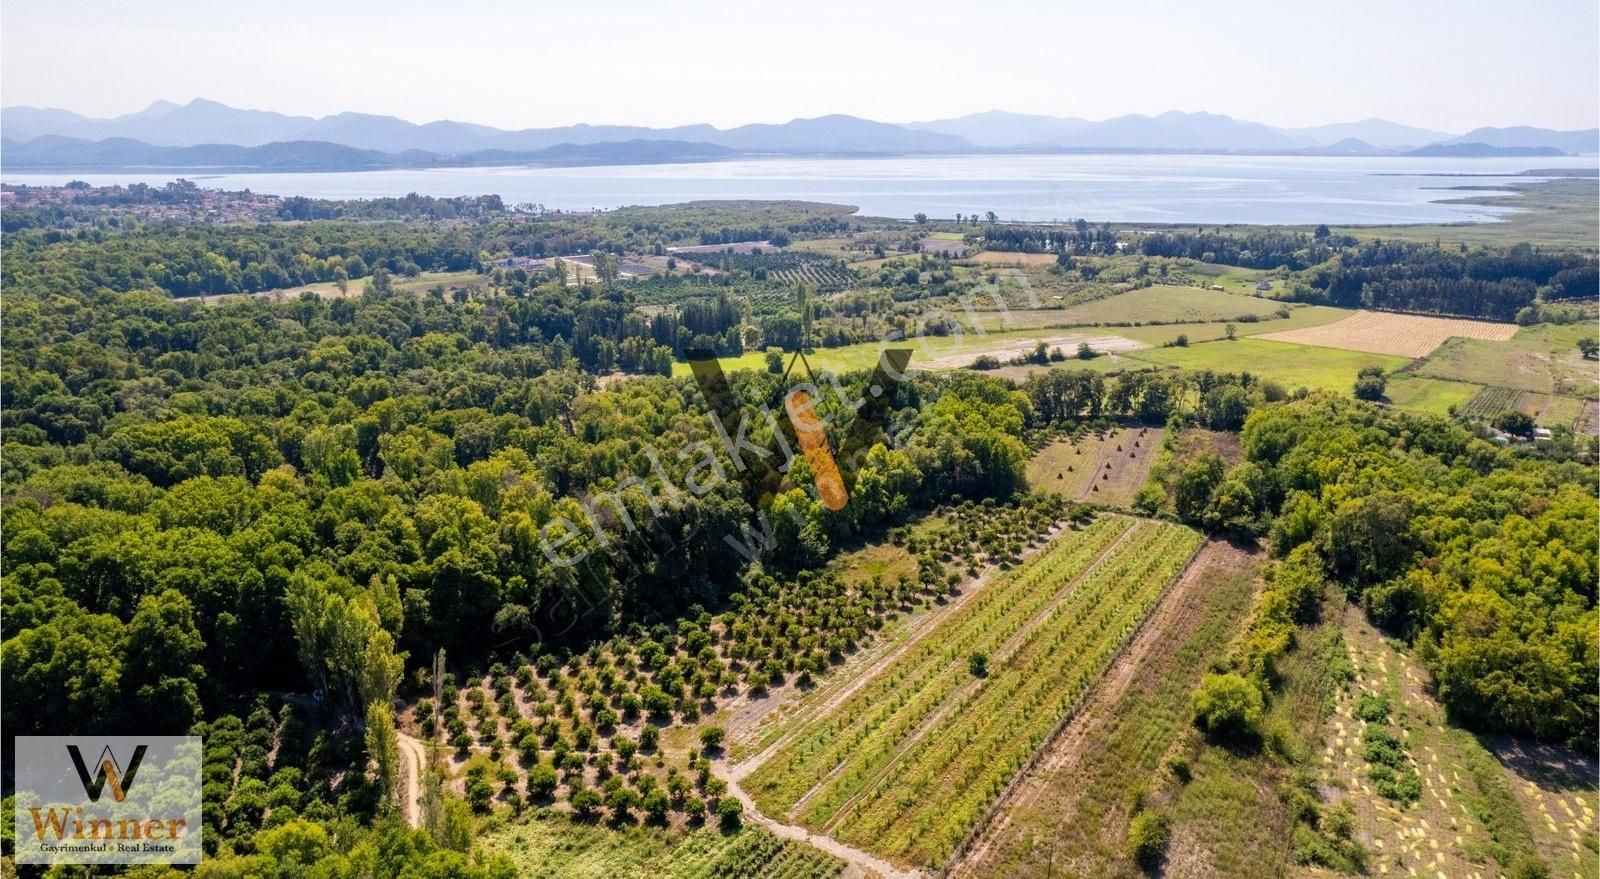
733	774
413	764
859	679
866	862
1174	620
1002	653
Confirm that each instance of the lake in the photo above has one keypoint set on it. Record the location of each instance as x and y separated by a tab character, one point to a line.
1121	188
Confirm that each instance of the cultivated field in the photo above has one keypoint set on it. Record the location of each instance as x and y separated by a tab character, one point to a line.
1010	346
356	286
1547	410
1168	304
560	849
999	258
1405	335
1289	365
1067	814
910	761
936	352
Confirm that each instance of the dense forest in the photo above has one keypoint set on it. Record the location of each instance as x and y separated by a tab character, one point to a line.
1482	557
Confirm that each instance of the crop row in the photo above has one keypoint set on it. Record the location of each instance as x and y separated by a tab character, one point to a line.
902	695
886	747
1490	402
751	853
950	776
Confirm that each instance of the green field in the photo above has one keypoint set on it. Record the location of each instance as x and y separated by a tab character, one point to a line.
953	351
910	761
1543	359
558	848
357	286
1287	364
1431	395
1300	316
1167	303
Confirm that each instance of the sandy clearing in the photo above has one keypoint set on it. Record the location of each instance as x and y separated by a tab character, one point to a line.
1381	332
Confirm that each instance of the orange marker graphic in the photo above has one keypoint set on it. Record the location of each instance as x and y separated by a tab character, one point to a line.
814	444
110	771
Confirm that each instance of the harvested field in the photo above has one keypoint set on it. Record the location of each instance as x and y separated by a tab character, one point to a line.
1405	335
997	258
1588	421
1105	469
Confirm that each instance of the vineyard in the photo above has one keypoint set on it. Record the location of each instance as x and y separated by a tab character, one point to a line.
783	266
1490	402
910	762
552	848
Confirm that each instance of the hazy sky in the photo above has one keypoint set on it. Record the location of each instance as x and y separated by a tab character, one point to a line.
1444	64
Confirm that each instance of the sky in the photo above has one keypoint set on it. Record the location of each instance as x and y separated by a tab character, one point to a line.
1450	65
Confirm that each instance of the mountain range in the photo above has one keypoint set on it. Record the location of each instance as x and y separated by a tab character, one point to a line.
208	134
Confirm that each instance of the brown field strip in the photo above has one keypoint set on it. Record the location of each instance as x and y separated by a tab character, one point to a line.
1405	335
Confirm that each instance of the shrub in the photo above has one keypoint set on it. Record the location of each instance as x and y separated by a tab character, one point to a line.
730	812
541	782
1373	708
1227	706
978	664
1179	766
1147	839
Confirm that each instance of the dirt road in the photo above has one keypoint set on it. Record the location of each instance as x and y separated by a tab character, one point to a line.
413	764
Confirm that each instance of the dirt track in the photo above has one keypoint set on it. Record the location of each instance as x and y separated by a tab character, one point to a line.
413	763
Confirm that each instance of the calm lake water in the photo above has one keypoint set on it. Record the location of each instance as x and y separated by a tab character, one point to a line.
1123	188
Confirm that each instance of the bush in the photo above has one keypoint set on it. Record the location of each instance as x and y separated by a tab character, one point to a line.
730	812
1227	706
1373	708
1147	839
541	782
978	664
1370	383
1179	766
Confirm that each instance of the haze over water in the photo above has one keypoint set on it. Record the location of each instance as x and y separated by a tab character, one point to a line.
1118	188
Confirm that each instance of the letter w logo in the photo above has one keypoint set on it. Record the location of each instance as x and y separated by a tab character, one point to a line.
108	770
